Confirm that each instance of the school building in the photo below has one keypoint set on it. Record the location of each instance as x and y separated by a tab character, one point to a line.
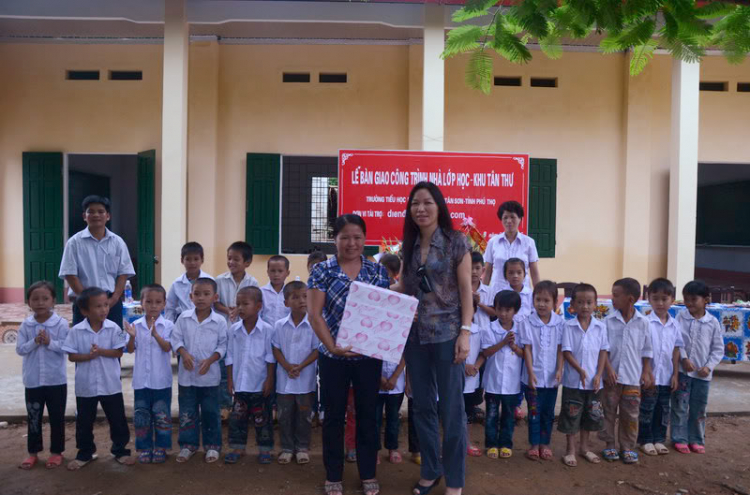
216	121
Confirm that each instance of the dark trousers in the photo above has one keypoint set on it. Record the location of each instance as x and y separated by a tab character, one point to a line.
199	416
654	414
55	398
295	421
335	377
119	433
433	373
413	438
115	313
541	402
499	426
225	400
250	408
392	405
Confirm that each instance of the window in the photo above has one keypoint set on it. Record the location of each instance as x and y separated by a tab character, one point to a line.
323	208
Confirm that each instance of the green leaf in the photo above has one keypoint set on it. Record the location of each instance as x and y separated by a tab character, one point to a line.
642	54
715	9
479	71
473	9
550	44
634	10
637	34
462	39
510	46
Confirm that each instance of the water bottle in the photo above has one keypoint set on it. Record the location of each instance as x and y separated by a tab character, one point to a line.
128	292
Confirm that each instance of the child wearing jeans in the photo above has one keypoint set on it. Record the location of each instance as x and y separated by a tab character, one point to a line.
96	345
703	350
541	337
666	340
200	338
584	347
40	341
152	377
502	376
392	384
251	367
295	348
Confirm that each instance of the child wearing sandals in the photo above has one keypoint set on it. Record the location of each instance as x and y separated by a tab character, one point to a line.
541	337
703	351
392	383
40	341
295	349
584	348
96	345
628	367
200	338
250	367
502	375
666	340
152	377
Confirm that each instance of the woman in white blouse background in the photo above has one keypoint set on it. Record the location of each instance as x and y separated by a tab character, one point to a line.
510	244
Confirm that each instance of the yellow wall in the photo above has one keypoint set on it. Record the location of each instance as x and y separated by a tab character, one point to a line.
237	104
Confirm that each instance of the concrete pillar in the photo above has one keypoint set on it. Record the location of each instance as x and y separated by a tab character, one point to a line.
683	172
415	97
433	78
174	139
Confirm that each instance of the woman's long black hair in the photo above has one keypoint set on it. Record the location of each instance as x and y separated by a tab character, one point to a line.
411	230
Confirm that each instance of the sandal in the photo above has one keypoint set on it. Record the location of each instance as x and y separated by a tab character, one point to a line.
211	456
697	449
424	490
506	453
29	463
145	457
492	453
302	457
570	460
264	458
629	457
532	454
333	487
395	457
185	455
682	448
661	449
159	456
546	453
351	456
284	458
77	464
55	460
591	457
125	460
649	449
416	458
474	451
232	457
610	455
371	487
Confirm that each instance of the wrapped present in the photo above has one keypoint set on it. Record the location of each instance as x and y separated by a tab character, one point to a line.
376	322
476	239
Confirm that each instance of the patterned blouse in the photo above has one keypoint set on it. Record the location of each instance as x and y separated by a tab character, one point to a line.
439	312
328	277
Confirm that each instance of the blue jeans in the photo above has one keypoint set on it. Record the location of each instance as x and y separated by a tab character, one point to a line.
392	404
689	411
152	418
504	419
541	404
225	400
654	416
199	412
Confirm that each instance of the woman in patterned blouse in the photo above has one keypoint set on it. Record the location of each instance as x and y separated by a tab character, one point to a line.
437	271
329	287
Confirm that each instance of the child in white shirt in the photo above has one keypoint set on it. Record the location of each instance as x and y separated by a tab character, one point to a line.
502	375
584	347
295	348
274	308
392	384
178	299
152	377
40	341
541	337
515	272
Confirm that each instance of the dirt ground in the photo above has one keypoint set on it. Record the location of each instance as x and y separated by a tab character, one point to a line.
726	463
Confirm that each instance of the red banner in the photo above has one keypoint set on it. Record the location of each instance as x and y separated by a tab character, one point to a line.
376	186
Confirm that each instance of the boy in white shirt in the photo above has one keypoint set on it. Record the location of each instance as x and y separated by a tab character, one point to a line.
178	298
628	367
392	384
152	377
703	351
295	349
96	345
251	367
666	340
200	338
584	347
502	375
274	308
514	272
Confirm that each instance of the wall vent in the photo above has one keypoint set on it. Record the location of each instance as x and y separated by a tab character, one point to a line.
126	75
543	82
339	78
296	77
743	87
714	86
82	75
507	81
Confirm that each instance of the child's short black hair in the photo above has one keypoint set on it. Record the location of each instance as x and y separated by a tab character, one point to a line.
582	287
508	299
293	286
513	261
476	257
42	284
510	207
547	286
153	288
205	281
92	199
191	248
242	247
696	288
278	257
252	292
83	299
391	262
630	285
316	257
662	286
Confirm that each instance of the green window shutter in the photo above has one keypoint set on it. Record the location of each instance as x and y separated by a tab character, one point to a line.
371	251
146	215
263	206
543	205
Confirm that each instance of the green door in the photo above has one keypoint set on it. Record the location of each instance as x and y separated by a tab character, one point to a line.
146	256
43	218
